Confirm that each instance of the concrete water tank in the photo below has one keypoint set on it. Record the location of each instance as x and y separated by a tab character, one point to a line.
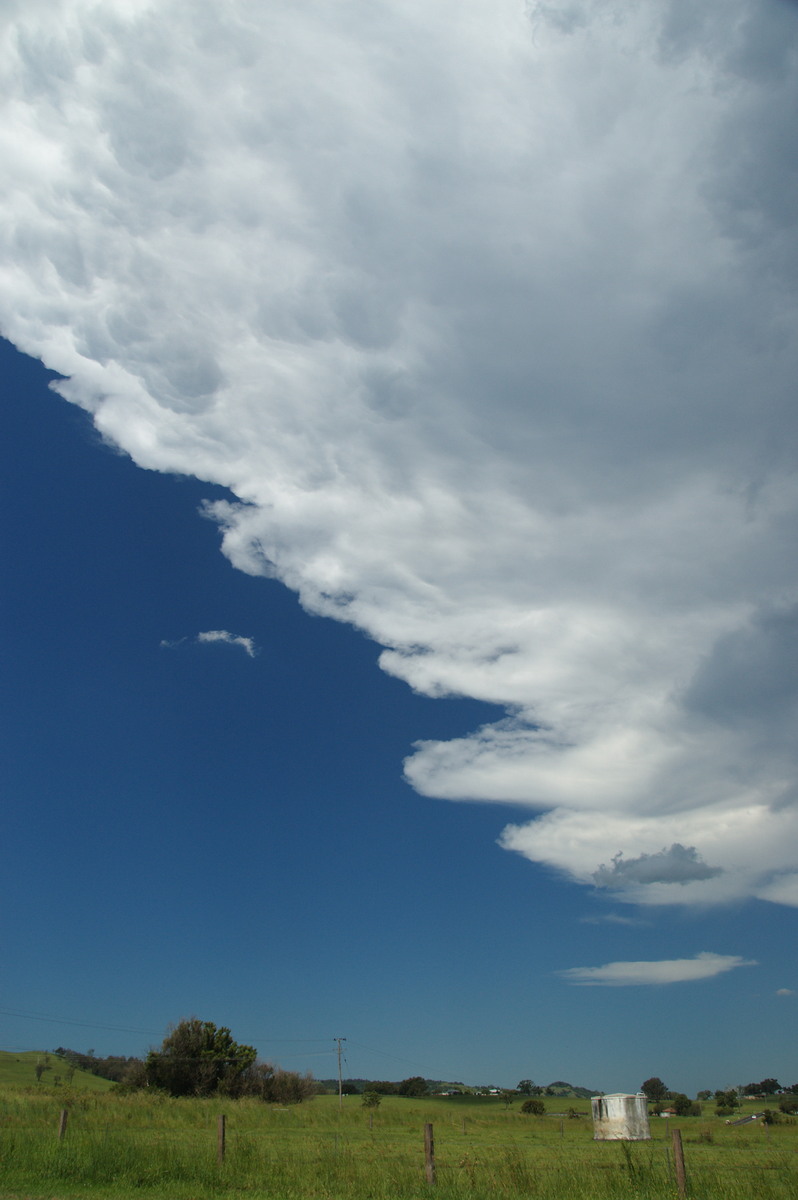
620	1117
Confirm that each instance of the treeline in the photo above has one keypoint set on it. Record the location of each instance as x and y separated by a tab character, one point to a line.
726	1102
114	1067
418	1086
198	1059
414	1086
769	1087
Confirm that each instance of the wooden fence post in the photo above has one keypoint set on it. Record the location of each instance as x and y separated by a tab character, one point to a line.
62	1124
429	1153
220	1138
678	1158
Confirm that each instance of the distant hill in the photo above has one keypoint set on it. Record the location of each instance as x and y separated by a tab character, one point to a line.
560	1088
19	1070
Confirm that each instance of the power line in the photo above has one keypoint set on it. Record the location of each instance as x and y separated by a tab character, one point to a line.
8	1012
47	1017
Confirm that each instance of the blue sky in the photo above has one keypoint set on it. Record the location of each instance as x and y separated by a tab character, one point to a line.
459	443
191	830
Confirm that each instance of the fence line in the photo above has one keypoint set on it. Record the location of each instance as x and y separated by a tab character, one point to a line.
452	1154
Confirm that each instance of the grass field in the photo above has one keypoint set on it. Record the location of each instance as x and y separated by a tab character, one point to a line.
119	1146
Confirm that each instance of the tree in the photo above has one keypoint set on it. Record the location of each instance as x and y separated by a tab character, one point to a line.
525	1087
533	1108
371	1100
197	1059
416	1085
655	1090
682	1105
726	1102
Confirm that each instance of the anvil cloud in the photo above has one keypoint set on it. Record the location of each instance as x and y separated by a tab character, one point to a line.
486	315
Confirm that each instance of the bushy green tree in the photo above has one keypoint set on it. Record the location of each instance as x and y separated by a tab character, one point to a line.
533	1108
726	1102
655	1090
197	1059
416	1085
525	1087
371	1100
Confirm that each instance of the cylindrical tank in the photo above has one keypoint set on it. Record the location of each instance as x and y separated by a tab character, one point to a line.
620	1117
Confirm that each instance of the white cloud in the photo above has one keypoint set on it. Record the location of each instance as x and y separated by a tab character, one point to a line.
247	644
676	970
612	918
785	992
228	639
487	315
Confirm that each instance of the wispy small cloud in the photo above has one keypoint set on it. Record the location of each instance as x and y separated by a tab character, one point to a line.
676	970
679	864
785	992
229	639
208	636
612	919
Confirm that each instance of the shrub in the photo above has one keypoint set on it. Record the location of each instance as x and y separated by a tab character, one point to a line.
533	1108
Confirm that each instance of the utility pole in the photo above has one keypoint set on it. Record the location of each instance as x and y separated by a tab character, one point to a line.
340	1079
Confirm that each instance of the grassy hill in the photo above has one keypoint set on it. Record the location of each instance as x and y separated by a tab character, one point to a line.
19	1070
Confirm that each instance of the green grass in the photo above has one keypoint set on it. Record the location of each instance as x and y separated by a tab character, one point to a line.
118	1146
19	1070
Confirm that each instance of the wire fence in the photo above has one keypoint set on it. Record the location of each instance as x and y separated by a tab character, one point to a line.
452	1154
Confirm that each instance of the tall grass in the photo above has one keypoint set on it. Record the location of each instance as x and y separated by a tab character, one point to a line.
145	1145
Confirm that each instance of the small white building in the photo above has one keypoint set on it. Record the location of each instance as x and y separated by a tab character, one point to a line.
620	1117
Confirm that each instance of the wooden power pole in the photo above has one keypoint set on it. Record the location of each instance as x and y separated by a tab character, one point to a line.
340	1078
